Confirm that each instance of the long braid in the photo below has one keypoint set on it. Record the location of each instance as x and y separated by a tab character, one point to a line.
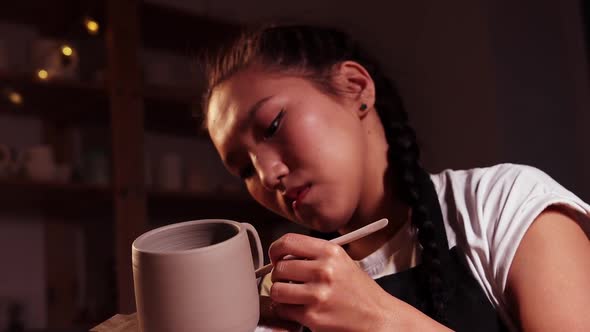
312	51
404	156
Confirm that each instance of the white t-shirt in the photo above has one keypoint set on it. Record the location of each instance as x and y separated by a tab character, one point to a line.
486	212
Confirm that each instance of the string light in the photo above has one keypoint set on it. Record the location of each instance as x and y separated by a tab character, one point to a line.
15	97
67	50
42	74
91	26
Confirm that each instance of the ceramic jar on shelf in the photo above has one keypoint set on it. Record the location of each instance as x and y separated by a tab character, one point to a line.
38	163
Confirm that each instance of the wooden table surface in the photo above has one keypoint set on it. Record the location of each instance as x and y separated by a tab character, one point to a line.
128	323
118	323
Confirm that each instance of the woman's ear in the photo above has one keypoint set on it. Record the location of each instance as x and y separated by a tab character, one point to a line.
353	80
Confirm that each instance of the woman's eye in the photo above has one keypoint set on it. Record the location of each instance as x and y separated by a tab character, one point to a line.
274	125
247	172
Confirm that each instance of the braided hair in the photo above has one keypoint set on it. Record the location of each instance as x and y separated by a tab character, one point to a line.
312	52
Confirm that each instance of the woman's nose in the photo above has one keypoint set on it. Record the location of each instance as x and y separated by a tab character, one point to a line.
270	170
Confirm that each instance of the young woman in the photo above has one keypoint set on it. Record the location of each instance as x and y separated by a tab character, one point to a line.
320	136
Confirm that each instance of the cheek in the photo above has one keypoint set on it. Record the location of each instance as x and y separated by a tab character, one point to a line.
332	141
256	190
334	146
262	196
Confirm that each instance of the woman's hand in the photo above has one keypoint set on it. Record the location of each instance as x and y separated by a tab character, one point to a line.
324	289
269	321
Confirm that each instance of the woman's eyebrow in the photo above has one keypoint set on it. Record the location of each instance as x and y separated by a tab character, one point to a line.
254	108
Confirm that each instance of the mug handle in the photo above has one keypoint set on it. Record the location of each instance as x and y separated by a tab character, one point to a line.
255	245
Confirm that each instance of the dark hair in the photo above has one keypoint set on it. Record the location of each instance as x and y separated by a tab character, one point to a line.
312	52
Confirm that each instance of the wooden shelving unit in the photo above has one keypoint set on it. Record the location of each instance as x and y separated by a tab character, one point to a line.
77	200
168	109
68	201
160	27
126	108
57	100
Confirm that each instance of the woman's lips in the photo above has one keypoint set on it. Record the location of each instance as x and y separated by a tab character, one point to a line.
300	196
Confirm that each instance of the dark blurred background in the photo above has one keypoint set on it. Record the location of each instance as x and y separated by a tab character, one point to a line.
98	142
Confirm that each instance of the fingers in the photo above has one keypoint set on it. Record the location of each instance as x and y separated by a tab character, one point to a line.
312	276
301	246
294	270
269	318
291	312
283	292
289	293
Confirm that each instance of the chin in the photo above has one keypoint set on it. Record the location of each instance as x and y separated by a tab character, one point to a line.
327	224
322	220
323	228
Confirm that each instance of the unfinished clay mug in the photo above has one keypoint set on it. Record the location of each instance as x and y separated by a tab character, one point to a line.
197	276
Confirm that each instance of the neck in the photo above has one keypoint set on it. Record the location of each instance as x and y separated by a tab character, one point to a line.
378	199
397	212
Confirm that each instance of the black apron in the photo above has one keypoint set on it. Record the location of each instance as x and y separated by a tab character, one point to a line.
467	307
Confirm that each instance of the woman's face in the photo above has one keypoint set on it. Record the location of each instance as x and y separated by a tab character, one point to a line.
300	151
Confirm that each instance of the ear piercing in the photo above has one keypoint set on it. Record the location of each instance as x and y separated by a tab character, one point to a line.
363	107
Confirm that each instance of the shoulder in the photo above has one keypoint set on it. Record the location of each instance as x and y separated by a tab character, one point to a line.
492	202
488	210
501	189
501	177
537	265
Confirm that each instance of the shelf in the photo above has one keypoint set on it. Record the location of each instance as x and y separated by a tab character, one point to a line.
53	198
56	99
75	201
64	103
162	27
168	109
55	18
178	206
172	94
